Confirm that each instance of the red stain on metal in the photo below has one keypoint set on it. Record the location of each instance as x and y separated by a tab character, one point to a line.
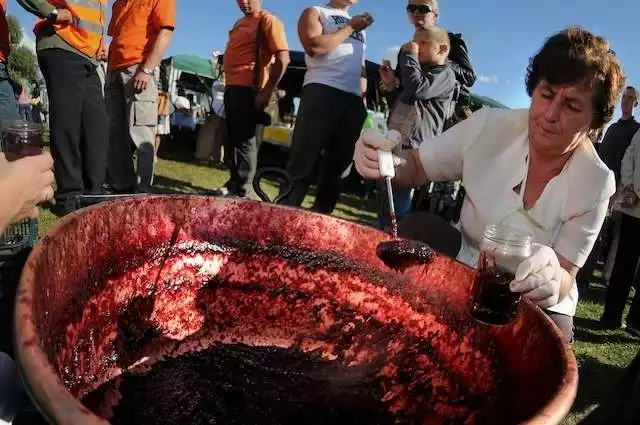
246	274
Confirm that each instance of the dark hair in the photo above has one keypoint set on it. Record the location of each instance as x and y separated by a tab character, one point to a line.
635	90
576	56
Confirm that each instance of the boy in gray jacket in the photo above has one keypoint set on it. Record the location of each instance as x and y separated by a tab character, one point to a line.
421	109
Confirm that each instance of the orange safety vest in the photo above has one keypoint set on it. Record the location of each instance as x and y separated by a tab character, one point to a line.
87	32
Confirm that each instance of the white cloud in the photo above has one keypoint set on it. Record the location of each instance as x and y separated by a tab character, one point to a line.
488	79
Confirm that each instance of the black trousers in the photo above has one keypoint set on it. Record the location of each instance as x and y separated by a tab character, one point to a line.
622	406
328	125
624	276
241	149
79	123
601	247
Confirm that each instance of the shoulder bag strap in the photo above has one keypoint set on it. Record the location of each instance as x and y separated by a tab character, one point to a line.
257	72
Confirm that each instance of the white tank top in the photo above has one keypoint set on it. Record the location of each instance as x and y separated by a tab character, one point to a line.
342	68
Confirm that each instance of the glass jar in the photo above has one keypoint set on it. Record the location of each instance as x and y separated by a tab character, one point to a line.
20	139
501	252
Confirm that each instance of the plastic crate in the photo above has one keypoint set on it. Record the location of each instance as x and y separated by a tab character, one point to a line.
15	245
18	237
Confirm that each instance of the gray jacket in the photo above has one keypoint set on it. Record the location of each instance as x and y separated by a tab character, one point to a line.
425	102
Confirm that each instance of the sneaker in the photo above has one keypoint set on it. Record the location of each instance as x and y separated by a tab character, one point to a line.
221	192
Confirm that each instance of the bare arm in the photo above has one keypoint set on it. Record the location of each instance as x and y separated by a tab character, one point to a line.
142	77
159	48
363	82
312	38
277	70
40	8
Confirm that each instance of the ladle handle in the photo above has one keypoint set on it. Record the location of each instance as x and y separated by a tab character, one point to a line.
277	172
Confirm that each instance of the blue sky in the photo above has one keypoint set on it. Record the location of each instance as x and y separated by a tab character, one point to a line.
501	34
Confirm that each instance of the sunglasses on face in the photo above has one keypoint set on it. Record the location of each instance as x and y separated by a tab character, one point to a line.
419	8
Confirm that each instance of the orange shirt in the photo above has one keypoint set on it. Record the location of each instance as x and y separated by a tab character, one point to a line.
5	46
134	26
240	54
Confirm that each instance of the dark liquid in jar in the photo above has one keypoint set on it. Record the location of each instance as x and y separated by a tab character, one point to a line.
16	145
493	301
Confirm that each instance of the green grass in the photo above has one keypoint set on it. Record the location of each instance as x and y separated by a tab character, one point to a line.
602	355
191	178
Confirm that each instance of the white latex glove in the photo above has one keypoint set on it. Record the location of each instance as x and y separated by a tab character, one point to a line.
366	153
539	277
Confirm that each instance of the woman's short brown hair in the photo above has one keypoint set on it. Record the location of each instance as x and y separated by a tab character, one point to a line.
575	56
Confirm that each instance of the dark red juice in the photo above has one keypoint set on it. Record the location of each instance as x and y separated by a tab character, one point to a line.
394	225
239	384
400	254
493	302
18	144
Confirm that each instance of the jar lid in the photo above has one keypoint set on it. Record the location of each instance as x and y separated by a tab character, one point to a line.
508	235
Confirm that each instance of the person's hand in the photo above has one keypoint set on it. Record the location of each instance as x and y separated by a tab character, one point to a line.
28	182
360	22
628	197
387	76
140	81
280	94
64	17
539	277
262	100
411	47
366	153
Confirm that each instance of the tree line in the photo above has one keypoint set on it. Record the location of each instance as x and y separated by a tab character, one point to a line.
23	64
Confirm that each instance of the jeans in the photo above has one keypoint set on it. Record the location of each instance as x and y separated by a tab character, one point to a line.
8	104
26	113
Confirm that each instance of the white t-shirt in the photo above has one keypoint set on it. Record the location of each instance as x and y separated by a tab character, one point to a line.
489	152
342	68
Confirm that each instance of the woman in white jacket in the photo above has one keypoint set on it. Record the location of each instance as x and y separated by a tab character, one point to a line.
624	274
533	169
